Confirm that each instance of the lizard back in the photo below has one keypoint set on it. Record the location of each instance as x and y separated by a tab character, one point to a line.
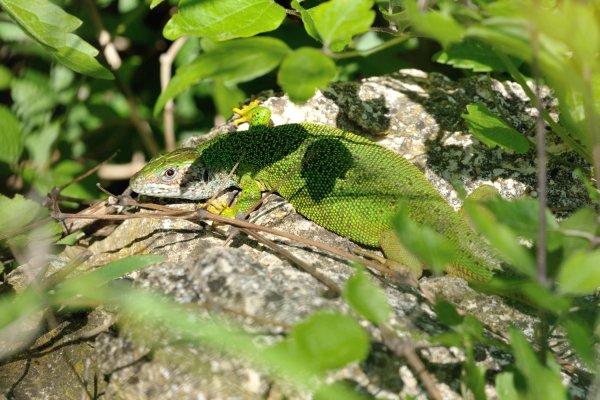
343	182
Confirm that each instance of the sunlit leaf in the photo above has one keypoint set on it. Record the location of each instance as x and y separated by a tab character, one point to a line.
11	136
50	26
253	57
224	19
337	21
304	71
580	273
471	54
438	25
367	299
493	130
535	373
502	238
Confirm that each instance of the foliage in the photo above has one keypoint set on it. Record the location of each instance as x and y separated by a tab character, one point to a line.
64	108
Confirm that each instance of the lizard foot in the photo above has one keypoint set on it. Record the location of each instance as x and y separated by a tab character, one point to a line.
252	113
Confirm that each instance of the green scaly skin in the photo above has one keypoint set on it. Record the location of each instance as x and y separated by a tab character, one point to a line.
343	182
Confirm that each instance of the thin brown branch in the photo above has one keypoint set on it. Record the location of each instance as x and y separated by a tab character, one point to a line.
397	276
406	349
334	289
542	161
166	64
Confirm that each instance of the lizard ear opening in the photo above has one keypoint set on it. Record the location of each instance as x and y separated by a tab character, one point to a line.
205	176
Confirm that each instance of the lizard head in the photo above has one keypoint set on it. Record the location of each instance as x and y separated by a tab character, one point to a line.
180	174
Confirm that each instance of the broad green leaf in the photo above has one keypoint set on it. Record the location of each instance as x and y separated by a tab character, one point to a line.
522	216
502	238
304	71
542	382
11	136
493	130
155	3
475	379
5	77
17	306
40	143
581	338
435	24
367	299
505	387
582	221
226	96
253	57
71	239
51	27
91	281
307	20
224	19
127	5
325	341
433	249
339	391
580	273
471	54
337	21
17	213
447	313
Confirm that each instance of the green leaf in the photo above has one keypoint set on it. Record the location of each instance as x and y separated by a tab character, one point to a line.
475	379
327	341
127	5
11	137
502	238
71	239
51	27
447	314
5	77
505	387
304	71
582	221
155	3
17	306
435	24
471	54
367	299
307	20
224	19
522	216
433	249
493	130
253	57
226	96
19	212
91	281
580	273
581	338
542	382
338	391
337	21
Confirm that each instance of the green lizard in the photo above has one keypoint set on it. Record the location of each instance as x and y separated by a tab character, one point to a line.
341	181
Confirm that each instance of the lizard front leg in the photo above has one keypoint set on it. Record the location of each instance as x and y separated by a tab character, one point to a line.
250	194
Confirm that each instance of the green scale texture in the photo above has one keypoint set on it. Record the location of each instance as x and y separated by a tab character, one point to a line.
343	182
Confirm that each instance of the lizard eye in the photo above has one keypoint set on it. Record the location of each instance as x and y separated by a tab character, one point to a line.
169	174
